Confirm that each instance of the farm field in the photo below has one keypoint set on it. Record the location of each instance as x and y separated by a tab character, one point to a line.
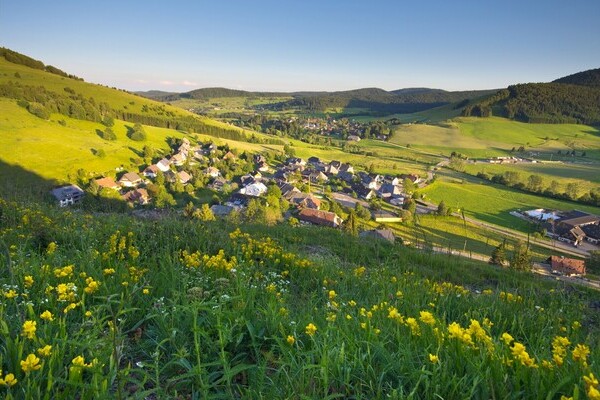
587	176
492	203
490	137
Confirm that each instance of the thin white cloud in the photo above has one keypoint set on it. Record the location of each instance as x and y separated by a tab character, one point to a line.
188	83
166	83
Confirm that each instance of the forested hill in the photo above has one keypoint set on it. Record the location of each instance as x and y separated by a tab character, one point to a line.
572	99
586	78
374	99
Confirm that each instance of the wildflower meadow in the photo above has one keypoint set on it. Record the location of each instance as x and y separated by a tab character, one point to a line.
106	306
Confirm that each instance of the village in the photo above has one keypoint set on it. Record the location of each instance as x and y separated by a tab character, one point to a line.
303	184
313	191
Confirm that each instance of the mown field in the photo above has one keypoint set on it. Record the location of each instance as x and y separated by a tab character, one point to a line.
490	137
587	176
113	307
492	203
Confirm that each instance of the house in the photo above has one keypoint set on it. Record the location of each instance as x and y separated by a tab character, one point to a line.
592	233
237	200
353	138
331	169
572	227
411	177
346	176
259	158
178	159
567	266
68	195
314	160
130	179
139	196
151	171
389	191
221	210
335	164
262	167
385	216
212	172
317	177
287	189
345	167
164	165
385	234
247	180
320	217
107	183
170	176
304	200
218	184
184	177
295	162
397	201
363	192
255	189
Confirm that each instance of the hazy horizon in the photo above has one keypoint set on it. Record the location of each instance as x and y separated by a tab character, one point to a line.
308	46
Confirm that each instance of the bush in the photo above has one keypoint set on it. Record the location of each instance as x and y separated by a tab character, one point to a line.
38	110
138	136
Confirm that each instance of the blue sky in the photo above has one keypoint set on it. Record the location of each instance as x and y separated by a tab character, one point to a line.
307	45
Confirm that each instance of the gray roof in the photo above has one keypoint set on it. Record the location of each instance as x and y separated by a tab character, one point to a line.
67	192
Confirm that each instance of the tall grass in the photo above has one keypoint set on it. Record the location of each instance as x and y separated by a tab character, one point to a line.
178	309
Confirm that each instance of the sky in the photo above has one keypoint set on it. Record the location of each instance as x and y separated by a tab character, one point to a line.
304	45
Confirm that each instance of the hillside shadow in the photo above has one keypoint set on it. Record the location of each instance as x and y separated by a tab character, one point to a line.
23	186
137	152
19	184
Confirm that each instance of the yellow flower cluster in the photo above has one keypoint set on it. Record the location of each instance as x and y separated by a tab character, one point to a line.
592	386
359	271
8	380
45	351
92	285
559	349
121	247
519	353
310	329
580	354
31	363
64	272
51	248
266	250
29	328
47	316
218	261
510	298
66	292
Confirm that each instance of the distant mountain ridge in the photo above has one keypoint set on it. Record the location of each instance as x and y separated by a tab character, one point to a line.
378	100
571	99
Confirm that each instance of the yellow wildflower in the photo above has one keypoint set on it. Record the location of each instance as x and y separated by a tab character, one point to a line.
576	325
108	271
146	291
28	281
88	314
31	363
590	380
331	317
47	316
290	340
593	393
45	351
413	325
520	353
434	359
11	294
332	294
69	307
507	338
311	329
580	353
352	303
92	285
29	328
427	317
51	248
9	380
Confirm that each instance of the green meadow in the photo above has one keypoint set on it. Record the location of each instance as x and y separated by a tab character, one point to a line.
490	202
490	137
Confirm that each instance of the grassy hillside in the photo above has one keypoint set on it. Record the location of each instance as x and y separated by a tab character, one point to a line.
93	308
492	203
487	137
